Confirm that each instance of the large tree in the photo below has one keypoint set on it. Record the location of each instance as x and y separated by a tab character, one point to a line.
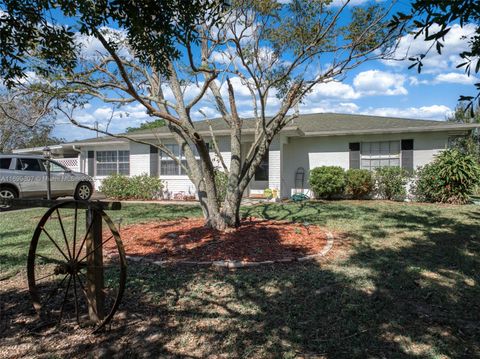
277	51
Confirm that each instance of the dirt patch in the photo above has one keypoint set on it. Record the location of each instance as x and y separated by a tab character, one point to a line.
254	240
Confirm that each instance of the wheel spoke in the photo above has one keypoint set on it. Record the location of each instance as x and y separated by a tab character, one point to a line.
97	247
64	234
52	292
76	298
65	299
51	260
47	276
55	243
83	242
82	285
75	231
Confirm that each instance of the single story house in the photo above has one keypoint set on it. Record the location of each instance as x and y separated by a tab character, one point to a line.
349	141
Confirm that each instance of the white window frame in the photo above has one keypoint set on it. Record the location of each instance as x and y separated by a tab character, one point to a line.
181	173
117	162
380	157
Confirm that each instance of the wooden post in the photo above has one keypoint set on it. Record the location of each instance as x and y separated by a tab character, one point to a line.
95	280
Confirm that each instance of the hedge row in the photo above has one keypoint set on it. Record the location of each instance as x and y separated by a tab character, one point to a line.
451	178
141	187
333	181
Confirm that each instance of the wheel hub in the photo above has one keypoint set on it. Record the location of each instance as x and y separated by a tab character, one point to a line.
71	268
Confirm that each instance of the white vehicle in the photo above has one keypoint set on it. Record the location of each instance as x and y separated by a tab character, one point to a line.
25	176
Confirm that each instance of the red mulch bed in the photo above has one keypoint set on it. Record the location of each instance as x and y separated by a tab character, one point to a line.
255	240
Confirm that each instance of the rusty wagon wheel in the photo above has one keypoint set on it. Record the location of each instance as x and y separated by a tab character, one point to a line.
72	278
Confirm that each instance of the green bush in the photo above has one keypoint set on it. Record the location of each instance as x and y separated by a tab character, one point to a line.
359	183
115	186
327	181
391	182
451	178
137	187
221	181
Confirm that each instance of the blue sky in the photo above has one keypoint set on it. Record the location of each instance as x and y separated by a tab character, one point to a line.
384	88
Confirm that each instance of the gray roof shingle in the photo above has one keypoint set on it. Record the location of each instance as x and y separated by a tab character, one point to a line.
320	124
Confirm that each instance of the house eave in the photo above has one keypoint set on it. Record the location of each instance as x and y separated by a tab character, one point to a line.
381	131
226	132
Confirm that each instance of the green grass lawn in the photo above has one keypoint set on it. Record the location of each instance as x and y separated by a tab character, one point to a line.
408	287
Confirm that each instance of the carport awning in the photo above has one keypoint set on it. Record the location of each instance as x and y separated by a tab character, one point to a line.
63	150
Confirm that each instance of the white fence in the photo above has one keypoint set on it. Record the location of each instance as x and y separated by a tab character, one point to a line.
72	163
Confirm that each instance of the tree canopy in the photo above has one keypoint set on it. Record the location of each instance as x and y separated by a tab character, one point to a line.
432	20
32	30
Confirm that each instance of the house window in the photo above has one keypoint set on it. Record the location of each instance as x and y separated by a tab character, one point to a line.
261	174
113	162
170	167
380	154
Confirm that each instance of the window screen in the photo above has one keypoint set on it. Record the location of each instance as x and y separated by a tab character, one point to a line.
113	162
170	167
380	154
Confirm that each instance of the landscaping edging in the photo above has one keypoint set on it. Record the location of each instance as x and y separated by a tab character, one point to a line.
239	264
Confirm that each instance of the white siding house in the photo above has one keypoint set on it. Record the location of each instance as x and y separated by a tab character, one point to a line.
349	141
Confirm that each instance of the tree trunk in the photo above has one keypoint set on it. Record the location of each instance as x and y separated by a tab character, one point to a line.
220	218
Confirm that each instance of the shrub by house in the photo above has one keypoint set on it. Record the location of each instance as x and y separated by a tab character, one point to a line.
327	181
141	187
451	178
359	183
391	182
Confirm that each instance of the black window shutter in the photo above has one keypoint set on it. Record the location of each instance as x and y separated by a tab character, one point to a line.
407	155
153	161
91	163
354	148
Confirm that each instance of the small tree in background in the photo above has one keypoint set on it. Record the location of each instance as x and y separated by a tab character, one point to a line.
25	121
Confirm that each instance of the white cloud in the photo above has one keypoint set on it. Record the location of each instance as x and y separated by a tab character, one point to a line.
456	41
91	48
329	107
375	82
333	89
456	78
434	112
367	83
205	112
415	81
